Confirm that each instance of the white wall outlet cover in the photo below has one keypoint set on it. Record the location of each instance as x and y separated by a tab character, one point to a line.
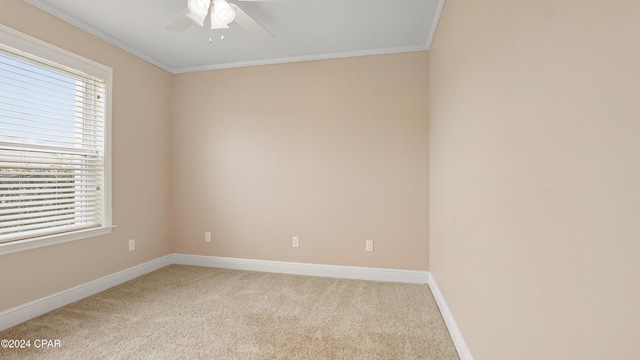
295	241
132	244
369	245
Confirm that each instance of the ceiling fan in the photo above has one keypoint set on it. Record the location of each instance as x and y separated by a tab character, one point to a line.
221	14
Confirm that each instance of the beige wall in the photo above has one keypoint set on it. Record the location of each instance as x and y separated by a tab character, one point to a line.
141	115
535	173
334	152
534	170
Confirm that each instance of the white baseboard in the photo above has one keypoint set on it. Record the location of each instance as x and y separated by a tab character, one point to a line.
334	271
24	312
454	331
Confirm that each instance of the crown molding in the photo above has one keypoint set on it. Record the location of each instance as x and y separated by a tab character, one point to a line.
55	11
436	21
299	58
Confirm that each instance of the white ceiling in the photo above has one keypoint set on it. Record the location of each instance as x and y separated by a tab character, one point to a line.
302	29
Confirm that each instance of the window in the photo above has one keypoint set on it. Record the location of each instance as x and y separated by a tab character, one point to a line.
54	144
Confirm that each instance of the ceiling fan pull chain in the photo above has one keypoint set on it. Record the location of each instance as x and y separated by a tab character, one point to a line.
210	38
222	35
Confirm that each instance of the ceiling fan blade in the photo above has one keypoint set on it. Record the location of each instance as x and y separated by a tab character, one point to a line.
250	25
180	23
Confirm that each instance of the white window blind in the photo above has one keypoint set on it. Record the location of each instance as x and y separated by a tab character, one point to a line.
52	148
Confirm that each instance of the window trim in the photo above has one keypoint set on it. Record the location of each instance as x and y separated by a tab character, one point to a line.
31	45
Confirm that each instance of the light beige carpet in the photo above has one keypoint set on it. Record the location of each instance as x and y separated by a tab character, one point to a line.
186	312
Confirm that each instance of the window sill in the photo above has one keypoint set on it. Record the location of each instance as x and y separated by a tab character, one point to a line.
29	244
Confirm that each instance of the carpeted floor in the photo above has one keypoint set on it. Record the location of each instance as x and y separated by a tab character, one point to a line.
186	312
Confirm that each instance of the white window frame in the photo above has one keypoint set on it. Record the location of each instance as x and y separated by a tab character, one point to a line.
33	46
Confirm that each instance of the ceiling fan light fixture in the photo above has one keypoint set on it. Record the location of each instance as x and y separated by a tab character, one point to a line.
198	6
226	15
222	13
198	10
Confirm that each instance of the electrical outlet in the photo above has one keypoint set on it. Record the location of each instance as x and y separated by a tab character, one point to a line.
207	236
295	241
132	244
368	245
